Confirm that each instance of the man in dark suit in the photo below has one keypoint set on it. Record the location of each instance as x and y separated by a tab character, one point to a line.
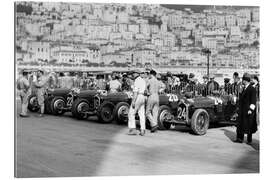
247	111
212	85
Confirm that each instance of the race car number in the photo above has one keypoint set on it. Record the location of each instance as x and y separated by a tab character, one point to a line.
69	100
172	97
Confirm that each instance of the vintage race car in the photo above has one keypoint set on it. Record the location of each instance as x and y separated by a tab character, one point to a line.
107	106
113	106
57	101
198	112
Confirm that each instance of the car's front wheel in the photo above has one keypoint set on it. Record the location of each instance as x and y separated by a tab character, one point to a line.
105	112
33	103
57	105
200	122
79	108
164	114
120	112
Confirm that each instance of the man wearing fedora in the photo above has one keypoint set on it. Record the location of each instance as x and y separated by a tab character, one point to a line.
247	111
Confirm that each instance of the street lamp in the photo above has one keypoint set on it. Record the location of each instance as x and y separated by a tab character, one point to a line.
207	52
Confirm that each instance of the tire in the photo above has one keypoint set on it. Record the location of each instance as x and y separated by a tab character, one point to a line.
105	112
57	104
120	113
200	122
163	113
33	103
78	107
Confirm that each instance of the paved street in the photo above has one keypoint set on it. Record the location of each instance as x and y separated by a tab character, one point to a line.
62	146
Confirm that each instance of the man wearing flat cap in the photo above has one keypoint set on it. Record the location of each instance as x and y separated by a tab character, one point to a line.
247	111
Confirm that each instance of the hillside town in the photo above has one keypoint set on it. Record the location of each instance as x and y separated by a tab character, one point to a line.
135	35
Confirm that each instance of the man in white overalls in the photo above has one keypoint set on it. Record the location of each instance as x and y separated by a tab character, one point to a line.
137	105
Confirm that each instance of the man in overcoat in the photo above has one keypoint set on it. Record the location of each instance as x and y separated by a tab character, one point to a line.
247	111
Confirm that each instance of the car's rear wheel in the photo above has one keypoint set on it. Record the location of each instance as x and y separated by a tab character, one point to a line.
79	108
164	114
105	112
33	103
120	112
200	122
57	104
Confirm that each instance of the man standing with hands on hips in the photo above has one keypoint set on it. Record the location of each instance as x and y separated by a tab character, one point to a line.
137	104
247	111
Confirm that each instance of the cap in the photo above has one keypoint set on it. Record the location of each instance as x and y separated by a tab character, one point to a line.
246	77
191	75
226	80
205	77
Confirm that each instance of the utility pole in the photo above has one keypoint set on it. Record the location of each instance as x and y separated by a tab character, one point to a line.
207	52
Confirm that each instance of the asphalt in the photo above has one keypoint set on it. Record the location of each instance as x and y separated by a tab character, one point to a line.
61	146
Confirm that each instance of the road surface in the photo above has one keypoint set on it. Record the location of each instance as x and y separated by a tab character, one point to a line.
57	146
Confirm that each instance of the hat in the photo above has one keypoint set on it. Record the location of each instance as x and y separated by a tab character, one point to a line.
226	80
169	73
191	75
246	77
205	77
211	76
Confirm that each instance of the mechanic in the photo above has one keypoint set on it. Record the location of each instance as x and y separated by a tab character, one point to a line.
212	85
237	85
152	106
77	80
203	86
24	91
138	104
114	84
40	82
247	111
227	85
84	81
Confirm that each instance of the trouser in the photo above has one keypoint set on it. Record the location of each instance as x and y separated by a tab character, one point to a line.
24	101
40	98
152	109
240	136
140	108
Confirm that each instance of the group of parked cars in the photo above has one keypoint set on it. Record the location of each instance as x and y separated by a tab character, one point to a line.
195	112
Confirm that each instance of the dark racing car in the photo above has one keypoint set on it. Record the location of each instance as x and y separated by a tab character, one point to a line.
57	101
197	112
107	106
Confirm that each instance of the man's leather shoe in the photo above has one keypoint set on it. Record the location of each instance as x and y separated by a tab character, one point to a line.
154	129
23	115
132	132
238	141
142	133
